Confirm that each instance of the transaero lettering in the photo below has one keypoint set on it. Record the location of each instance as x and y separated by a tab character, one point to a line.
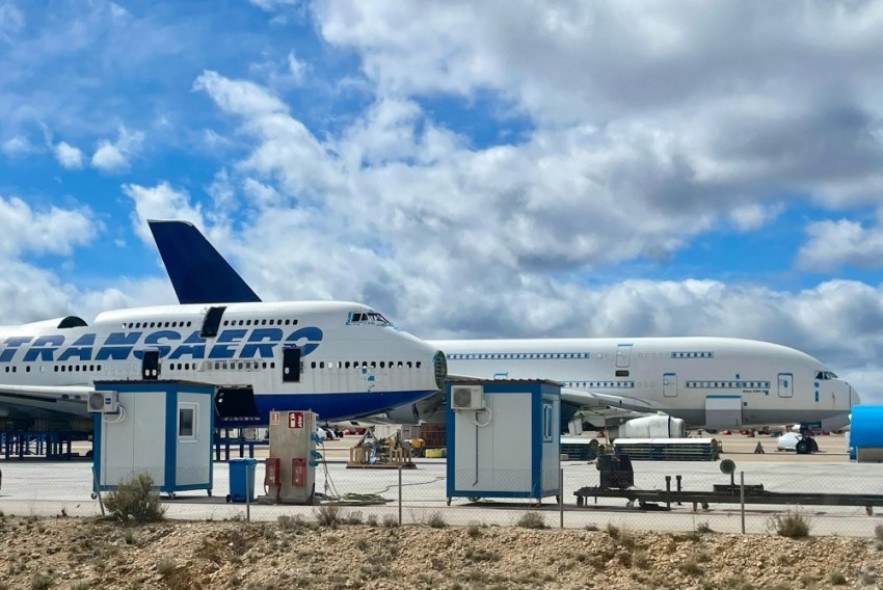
120	346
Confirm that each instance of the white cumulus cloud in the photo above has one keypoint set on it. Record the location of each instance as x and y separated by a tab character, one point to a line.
114	157
18	146
161	202
831	244
68	156
49	230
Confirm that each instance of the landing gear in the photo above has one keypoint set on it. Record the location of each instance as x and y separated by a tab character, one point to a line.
807	445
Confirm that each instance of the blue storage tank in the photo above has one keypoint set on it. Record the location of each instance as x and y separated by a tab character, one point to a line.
242	480
866	433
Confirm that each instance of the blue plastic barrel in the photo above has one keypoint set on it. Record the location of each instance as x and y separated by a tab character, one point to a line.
241	474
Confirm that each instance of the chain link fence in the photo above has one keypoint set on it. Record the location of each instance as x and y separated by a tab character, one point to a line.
419	494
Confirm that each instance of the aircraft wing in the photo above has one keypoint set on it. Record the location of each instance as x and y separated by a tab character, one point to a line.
591	399
44	401
600	409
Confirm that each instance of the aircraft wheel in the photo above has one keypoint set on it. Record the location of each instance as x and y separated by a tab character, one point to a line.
803	447
813	445
473	498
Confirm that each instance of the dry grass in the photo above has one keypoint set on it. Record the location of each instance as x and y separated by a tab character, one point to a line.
436	521
792	524
532	520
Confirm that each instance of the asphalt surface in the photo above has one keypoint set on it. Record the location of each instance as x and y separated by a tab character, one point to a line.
38	487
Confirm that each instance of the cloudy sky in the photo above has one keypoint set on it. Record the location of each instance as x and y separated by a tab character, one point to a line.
472	169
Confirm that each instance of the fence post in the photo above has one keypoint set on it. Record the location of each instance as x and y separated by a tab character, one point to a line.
400	495
97	490
561	496
742	498
249	489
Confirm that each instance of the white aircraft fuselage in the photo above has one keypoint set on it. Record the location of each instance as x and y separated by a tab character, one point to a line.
352	362
700	379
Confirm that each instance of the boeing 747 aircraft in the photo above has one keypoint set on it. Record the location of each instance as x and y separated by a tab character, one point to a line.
341	360
712	382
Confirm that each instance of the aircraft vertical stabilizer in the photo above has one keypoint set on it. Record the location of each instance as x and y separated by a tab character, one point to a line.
198	272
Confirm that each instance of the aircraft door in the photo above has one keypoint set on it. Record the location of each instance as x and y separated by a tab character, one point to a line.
623	356
212	322
786	385
150	365
670	385
291	365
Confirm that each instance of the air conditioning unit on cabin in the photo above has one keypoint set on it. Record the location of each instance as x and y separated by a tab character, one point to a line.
104	402
467	397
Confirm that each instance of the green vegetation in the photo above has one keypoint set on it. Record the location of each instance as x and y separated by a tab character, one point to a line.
836	579
42	581
135	501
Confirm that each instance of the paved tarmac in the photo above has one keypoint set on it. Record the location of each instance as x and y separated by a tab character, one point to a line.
38	487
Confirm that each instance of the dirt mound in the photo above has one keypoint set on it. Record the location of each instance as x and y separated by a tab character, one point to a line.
87	553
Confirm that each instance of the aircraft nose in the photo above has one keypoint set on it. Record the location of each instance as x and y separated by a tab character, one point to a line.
440	365
854	398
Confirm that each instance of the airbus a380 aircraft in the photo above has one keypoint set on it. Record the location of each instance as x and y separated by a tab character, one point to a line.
714	382
338	359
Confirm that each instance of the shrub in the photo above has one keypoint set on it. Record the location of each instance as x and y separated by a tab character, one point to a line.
135	500
837	579
328	515
612	530
477	554
531	520
690	567
371	520
390	521
473	530
42	581
287	522
166	567
792	524
354	518
436	521
703	527
878	533
628	539
640	559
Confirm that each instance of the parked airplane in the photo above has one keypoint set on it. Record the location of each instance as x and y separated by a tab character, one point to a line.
713	382
339	359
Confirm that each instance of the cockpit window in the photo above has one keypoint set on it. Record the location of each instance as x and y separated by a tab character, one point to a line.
378	319
370	318
825	375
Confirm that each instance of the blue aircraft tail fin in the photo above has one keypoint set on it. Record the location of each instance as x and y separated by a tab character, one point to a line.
198	272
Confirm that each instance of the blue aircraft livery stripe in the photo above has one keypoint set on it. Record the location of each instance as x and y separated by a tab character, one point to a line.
337	406
236	343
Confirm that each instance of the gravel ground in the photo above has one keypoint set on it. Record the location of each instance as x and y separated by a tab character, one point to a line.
79	554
